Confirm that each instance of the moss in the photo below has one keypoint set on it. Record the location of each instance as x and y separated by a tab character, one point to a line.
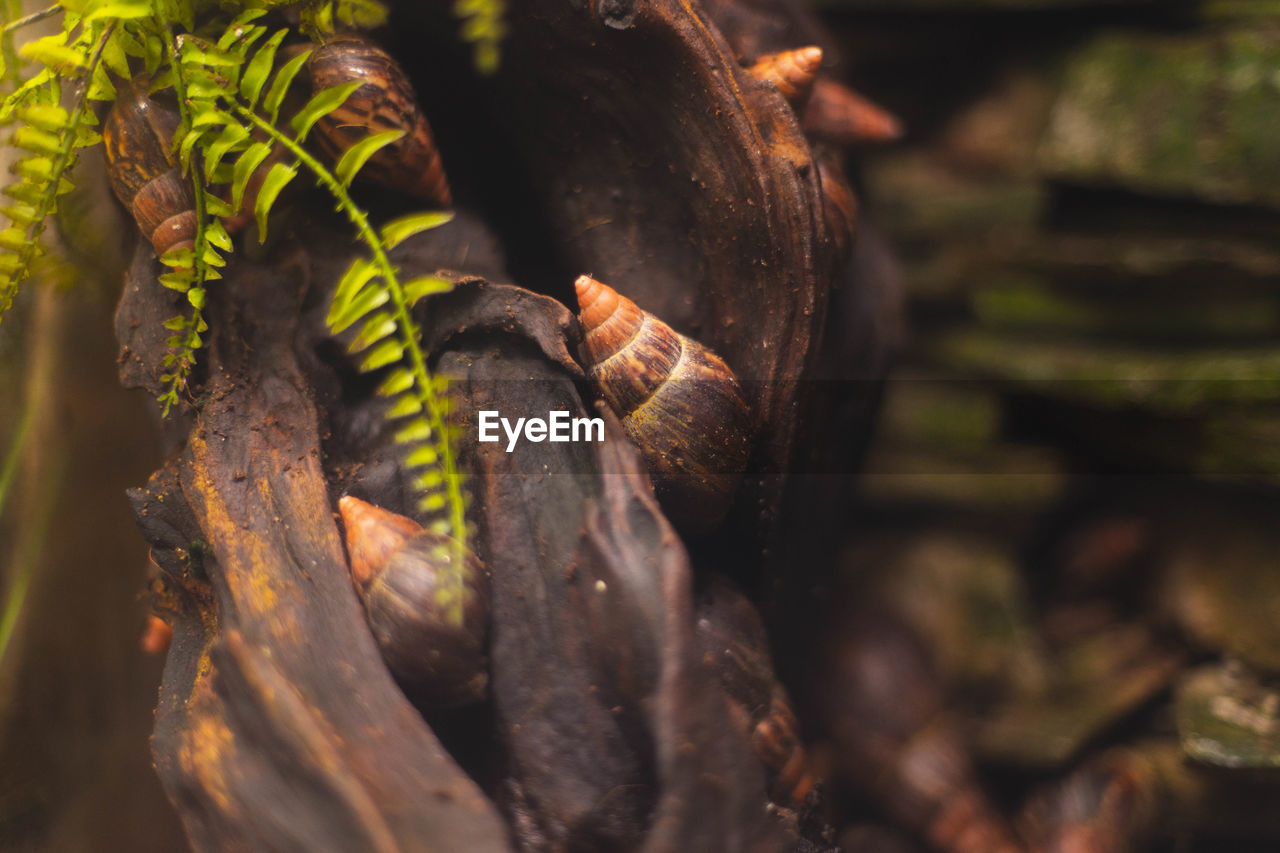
1190	116
1171	381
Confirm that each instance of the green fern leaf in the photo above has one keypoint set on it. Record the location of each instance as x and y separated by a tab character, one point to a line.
231	136
277	178
280	85
259	68
50	117
119	11
387	352
404	407
397	231
354	158
425	455
415	432
320	105
398	382
37	141
426	285
246	165
378	327
361	14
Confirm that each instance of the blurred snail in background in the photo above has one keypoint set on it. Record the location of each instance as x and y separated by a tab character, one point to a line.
678	401
735	645
1109	805
157	636
882	706
144	175
385	102
397	566
840	115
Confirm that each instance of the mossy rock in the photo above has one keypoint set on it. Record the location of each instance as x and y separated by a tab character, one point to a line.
1193	116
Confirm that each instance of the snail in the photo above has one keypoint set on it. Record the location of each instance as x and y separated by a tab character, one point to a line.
678	401
144	175
734	643
1110	804
157	636
837	113
385	102
792	71
396	565
882	707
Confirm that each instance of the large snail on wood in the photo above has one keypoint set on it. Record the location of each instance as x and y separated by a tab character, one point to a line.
679	402
399	569
385	102
144	174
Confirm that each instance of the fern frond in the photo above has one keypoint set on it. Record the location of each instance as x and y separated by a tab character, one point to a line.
484	25
50	138
322	18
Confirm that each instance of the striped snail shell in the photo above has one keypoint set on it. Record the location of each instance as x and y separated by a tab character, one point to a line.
396	565
792	72
678	401
735	645
385	102
838	114
883	709
136	137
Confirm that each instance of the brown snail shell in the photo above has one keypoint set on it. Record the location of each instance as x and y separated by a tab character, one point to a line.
395	564
137	136
1110	804
735	645
792	72
882	707
838	114
386	101
157	636
678	401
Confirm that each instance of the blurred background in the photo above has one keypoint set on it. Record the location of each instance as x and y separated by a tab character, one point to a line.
1070	494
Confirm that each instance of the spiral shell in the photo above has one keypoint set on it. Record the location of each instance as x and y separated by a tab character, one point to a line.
678	401
792	71
396	566
386	101
734	643
137	136
883	709
837	113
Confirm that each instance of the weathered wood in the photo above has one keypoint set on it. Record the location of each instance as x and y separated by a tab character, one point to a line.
257	738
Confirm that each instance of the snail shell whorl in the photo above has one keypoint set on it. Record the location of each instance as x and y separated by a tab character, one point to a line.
791	71
385	102
839	114
678	401
136	137
396	565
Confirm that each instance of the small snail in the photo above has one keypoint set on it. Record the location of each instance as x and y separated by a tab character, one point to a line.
385	102
157	636
679	402
396	565
1111	804
792	71
734	643
144	175
883	708
838	114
